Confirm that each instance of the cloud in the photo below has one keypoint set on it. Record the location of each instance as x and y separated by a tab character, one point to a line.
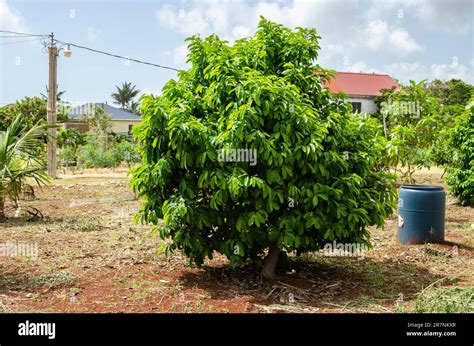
11	19
236	19
458	71
397	42
370	36
417	71
241	31
179	55
182	21
452	16
358	66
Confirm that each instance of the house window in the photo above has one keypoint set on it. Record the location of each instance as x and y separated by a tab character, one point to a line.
130	130
356	107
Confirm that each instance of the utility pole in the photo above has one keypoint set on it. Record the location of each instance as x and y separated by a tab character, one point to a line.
52	118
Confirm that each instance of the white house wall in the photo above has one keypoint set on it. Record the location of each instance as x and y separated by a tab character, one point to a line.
367	105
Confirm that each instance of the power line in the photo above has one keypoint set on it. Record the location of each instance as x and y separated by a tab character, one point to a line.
21	33
14	42
119	56
12	36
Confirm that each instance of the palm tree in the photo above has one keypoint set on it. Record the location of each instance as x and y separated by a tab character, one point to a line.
125	95
59	94
20	160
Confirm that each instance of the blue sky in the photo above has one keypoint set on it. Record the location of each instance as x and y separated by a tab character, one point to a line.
410	39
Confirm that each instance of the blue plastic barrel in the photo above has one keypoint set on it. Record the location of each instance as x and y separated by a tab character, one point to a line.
421	214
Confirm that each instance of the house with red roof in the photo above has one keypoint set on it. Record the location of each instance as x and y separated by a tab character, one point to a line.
362	88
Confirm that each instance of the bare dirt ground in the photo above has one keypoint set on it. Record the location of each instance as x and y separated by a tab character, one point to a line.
93	258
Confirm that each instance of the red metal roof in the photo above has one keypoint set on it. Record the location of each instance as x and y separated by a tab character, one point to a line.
360	84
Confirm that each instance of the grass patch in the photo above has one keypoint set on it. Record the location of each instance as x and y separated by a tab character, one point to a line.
448	300
85	224
437	253
30	282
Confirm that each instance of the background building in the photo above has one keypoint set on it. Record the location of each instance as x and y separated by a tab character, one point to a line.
122	120
362	88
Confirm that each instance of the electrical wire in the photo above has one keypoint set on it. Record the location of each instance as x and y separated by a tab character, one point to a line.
21	33
14	42
13	36
118	56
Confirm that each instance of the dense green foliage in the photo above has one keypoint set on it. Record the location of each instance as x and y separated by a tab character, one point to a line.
31	109
418	127
419	119
97	154
69	142
411	124
21	158
461	167
318	175
452	92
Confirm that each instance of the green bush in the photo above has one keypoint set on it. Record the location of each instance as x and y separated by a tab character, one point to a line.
127	152
317	177
102	152
461	168
93	156
411	115
66	156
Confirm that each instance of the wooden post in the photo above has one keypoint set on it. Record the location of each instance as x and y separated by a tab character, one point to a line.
53	55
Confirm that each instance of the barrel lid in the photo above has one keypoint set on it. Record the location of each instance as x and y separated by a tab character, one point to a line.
422	187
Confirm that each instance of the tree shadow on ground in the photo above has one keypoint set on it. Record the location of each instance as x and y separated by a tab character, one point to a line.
24	221
22	282
317	283
459	245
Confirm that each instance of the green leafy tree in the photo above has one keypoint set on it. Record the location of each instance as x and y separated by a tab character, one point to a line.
440	152
461	168
69	141
127	152
124	96
452	92
20	160
312	173
31	109
99	122
412	124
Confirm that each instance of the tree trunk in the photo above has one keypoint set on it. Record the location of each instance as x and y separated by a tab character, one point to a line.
2	209
270	262
444	172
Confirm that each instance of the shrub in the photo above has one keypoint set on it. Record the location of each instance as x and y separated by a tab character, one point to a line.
101	153
127	152
21	160
92	156
69	142
412	118
461	168
317	177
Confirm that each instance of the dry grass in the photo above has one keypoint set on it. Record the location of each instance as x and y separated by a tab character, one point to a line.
92	258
